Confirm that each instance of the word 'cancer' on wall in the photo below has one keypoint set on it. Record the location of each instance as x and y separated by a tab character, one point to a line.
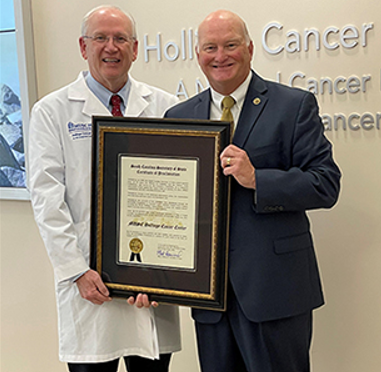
348	37
354	122
339	85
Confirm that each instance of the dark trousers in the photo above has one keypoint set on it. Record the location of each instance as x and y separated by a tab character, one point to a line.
133	364
237	344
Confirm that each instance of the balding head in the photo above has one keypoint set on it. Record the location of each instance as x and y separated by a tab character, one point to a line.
86	18
225	15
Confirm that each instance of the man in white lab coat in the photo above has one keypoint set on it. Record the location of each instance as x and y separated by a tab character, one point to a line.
95	331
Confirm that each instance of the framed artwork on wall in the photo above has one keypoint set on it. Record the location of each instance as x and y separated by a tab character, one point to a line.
18	91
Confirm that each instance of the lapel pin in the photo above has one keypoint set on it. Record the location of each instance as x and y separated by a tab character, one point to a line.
257	101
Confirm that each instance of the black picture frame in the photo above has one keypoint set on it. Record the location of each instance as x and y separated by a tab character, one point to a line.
205	284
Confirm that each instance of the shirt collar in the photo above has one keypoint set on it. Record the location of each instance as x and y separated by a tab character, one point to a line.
238	95
104	95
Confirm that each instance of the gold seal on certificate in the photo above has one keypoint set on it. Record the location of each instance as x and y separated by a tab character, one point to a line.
136	246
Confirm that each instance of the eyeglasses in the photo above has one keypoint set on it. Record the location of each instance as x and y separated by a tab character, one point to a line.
101	39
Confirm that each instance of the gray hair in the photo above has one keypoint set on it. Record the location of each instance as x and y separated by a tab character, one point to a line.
85	21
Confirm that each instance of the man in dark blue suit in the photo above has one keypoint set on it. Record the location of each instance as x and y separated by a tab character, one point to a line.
281	166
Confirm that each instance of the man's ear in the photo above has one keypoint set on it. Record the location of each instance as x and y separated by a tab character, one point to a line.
196	49
251	49
135	50
83	47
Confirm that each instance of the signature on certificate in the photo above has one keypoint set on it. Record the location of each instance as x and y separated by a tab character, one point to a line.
169	253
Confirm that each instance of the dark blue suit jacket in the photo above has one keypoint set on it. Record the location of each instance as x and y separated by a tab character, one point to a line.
272	264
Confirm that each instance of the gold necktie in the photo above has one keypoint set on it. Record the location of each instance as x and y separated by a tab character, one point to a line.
227	103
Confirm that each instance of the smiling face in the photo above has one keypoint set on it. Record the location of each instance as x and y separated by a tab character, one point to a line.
109	62
223	52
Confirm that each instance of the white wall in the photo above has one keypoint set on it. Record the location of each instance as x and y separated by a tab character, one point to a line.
347	333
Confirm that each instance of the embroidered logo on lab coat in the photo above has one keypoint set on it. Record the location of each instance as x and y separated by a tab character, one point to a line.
79	130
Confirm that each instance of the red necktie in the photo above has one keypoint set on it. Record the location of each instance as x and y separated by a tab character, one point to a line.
115	104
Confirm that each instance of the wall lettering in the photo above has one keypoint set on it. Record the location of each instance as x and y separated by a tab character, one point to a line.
276	41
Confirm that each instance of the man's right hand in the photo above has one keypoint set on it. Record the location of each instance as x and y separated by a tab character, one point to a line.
92	288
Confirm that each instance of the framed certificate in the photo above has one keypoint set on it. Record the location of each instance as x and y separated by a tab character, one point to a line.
160	209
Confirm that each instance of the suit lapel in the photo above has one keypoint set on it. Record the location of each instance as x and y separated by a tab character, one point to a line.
253	106
202	108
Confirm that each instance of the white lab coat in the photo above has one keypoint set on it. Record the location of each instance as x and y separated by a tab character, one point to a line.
59	175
